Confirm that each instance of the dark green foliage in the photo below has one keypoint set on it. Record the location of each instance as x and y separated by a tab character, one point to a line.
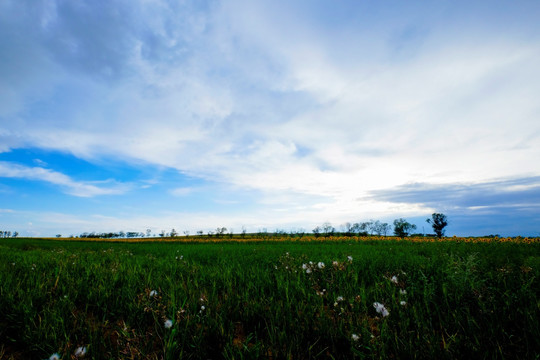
402	228
438	223
463	300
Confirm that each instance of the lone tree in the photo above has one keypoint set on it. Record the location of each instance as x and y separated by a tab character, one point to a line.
438	223
402	227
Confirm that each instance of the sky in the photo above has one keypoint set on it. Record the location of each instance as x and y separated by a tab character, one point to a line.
128	115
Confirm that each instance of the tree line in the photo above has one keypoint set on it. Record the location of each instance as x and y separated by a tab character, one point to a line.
8	234
401	228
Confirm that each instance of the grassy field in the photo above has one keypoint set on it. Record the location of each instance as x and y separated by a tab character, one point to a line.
340	299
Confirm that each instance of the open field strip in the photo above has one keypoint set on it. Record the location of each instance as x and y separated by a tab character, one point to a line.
253	298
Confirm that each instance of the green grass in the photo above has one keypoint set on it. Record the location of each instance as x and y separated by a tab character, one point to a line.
462	300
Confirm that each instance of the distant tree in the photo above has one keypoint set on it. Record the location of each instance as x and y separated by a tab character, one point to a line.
15	234
359	229
148	232
347	227
162	233
173	233
317	231
438	223
328	229
200	232
186	233
402	227
385	228
58	235
243	233
220	231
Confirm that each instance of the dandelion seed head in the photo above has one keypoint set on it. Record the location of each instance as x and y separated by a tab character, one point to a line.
80	351
320	265
308	271
403	303
339	298
168	324
381	309
394	279
355	337
304	266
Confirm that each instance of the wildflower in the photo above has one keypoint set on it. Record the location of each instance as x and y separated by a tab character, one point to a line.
335	263
55	356
339	298
403	303
403	292
308	271
153	293
355	337
394	279
320	265
80	351
168	324
349	258
381	309
304	266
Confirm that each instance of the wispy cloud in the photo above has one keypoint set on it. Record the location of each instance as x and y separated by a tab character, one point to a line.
70	186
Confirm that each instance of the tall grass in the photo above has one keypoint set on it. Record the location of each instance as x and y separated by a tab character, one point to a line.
237	300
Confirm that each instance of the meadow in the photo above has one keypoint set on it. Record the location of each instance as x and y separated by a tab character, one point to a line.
337	298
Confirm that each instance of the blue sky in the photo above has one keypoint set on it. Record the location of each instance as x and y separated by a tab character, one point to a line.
128	115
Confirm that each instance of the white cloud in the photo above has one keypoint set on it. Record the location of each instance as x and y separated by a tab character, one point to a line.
72	187
267	96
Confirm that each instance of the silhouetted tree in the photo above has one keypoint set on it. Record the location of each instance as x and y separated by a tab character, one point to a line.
438	223
402	227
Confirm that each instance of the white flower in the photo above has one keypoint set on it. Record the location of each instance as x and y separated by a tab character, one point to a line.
349	258
55	356
403	303
203	307
335	263
355	337
403	292
153	293
381	309
394	279
168	324
80	351
308	271
320	265
339	298
304	266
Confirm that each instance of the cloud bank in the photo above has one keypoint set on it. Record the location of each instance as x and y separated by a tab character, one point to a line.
329	104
